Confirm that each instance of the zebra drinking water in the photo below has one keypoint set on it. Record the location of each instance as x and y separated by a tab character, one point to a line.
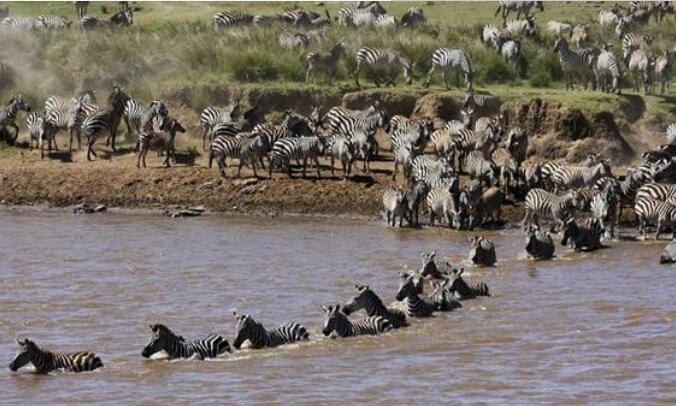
46	361
258	336
167	343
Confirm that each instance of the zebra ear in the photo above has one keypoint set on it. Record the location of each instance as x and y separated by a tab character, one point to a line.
433	254
235	315
404	275
326	309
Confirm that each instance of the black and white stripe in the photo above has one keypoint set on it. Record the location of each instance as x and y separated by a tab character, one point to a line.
385	63
442	297
258	336
301	149
41	130
52	22
212	116
118	100
539	244
447	59
585	237
46	361
395	205
462	290
478	167
520	7
413	17
659	213
69	113
540	203
93	126
574	177
22	23
8	115
337	324
413	304
429	171
342	121
368	300
167	343
164	138
229	19
521	27
574	63
482	251
443	202
356	17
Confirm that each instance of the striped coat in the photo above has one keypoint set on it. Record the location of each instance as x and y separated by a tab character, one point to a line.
540	203
338	324
446	59
413	304
368	300
655	212
539	244
585	237
385	63
462	290
259	337
46	361
482	251
301	148
395	205
177	347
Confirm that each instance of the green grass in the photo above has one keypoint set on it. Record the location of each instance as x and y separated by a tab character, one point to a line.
174	46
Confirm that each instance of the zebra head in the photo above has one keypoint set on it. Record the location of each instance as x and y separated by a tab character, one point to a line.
162	340
335	322
246	329
410	285
360	300
532	237
158	107
429	267
171	125
560	45
18	103
338	51
455	283
25	355
570	231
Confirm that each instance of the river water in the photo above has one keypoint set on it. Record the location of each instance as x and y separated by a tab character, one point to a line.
584	328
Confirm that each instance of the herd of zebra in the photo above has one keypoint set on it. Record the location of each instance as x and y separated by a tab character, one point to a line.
124	17
447	289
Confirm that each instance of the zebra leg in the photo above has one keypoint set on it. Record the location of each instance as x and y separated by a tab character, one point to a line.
253	166
394	173
659	230
388	214
167	157
239	167
138	160
444	76
429	76
307	73
356	74
204	138
221	166
90	148
316	161
304	166
431	217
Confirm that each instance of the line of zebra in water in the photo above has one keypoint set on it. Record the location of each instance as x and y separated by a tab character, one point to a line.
448	288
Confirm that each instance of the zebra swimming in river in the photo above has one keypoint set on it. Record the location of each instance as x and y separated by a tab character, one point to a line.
258	336
46	361
165	343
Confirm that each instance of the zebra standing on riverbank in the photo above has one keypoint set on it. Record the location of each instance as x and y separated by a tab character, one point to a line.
368	300
8	115
338	323
575	177
41	130
324	61
301	148
211	116
69	114
574	63
385	64
177	347
46	361
446	59
259	337
93	126
608	72
118	100
164	138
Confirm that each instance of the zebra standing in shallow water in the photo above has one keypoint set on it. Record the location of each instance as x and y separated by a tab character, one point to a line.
539	202
539	244
586	237
482	251
446	59
249	329
177	347
395	205
659	213
414	305
368	300
8	115
46	361
385	63
338	323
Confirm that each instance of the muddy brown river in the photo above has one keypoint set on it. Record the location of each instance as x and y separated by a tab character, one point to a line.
584	328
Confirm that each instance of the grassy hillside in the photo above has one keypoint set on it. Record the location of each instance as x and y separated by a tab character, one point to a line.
174	46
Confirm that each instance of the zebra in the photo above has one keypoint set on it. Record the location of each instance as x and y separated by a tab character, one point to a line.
558	28
659	213
119	19
384	21
531	173
384	62
4	12
141	117
539	244
259	337
539	202
487	207
51	22
118	100
468	141
8	115
414	305
573	177
511	51
520	7
517	144
429	266
229	19
337	324
211	116
518	27
641	66
242	148
443	143
463	291
293	40
580	34
302	148
344	122
172	346
478	167
431	172
93	125
494	37
415	133
604	208
482	251
663	68
657	191
608	72
46	361
671	134
443	202
573	63
354	17
608	18
368	300
395	205
416	194
442	297
446	59
413	17
632	42
23	23
586	237
41	130
69	114
164	138
324	61
344	150
403	155
81	8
